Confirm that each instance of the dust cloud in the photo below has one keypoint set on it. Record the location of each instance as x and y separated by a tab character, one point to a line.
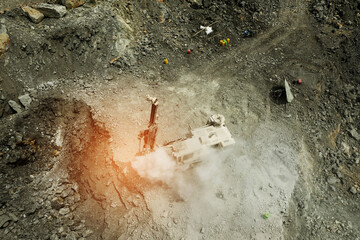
158	166
226	195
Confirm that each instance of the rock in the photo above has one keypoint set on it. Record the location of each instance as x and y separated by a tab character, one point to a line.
66	193
25	100
353	190
355	134
87	233
339	174
72	3
13	217
109	77
196	3
57	203
4	38
64	211
15	106
289	95
202	230
51	10
2	96
18	137
332	180
4	219
35	15
206	3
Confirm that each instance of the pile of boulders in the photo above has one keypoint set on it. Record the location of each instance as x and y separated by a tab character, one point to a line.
39	11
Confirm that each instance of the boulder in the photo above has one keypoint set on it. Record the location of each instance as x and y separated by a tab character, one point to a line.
72	3
4	38
35	15
15	106
51	10
25	100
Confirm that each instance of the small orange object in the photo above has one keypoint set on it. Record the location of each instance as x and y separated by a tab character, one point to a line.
228	40
188	51
166	61
299	81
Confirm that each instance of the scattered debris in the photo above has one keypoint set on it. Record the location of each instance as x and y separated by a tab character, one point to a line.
114	60
247	33
204	28
207	30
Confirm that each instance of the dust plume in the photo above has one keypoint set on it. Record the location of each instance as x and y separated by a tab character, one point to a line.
158	166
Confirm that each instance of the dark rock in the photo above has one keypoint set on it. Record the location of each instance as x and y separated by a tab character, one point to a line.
206	3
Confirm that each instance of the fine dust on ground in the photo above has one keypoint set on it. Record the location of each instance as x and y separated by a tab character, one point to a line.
227	195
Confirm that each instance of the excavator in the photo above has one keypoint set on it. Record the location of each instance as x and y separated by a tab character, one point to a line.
187	151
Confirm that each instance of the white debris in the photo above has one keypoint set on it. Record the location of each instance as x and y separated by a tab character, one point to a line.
208	30
289	95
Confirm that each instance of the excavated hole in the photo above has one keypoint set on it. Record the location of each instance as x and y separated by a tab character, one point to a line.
109	189
278	95
63	153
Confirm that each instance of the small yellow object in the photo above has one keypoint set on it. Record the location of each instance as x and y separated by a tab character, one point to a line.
56	153
166	61
221	42
228	40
